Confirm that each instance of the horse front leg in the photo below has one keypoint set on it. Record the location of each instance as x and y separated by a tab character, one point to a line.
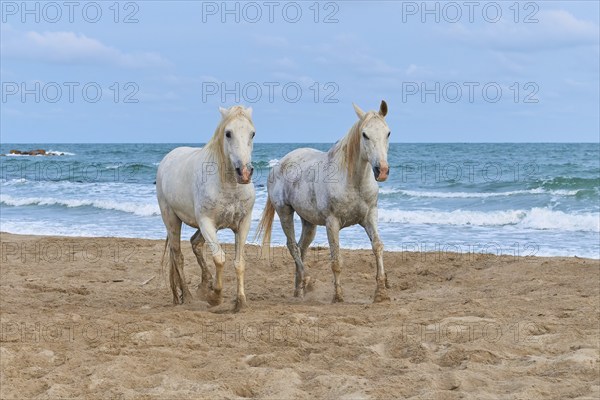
333	236
209	232
240	264
377	246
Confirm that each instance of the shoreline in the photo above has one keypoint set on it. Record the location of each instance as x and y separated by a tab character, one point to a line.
313	247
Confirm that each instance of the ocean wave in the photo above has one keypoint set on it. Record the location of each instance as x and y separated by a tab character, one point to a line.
566	182
536	218
14	181
467	195
60	153
141	209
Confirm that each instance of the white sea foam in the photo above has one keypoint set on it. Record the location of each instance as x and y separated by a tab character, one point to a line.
543	218
60	152
15	181
273	162
141	209
536	218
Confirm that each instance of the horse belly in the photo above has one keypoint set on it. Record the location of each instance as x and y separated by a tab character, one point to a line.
350	208
312	215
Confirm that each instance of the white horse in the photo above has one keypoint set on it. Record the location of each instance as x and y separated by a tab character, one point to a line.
209	188
336	189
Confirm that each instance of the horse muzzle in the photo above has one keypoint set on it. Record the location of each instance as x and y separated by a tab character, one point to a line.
244	174
381	172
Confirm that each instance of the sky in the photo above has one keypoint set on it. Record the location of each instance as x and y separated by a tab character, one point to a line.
157	71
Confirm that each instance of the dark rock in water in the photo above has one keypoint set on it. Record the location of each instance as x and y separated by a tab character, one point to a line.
36	152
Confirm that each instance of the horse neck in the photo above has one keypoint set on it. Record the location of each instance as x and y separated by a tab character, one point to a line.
360	171
228	173
225	170
360	168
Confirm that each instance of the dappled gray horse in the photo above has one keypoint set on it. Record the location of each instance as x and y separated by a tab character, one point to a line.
337	189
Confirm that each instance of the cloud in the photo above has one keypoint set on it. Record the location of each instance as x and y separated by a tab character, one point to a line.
554	29
73	48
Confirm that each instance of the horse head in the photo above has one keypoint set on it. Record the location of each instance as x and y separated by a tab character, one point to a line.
374	140
238	135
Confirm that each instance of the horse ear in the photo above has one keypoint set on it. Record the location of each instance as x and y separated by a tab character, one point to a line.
223	111
358	111
249	112
383	108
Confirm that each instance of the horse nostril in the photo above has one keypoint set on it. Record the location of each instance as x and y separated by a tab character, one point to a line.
376	170
251	170
238	171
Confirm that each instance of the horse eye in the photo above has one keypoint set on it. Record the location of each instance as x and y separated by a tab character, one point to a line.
365	136
253	134
389	133
228	134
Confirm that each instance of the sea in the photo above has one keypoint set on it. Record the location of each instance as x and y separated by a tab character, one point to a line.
513	199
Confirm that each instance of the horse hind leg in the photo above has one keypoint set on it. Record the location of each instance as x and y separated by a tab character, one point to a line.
181	293
286	216
205	286
308	235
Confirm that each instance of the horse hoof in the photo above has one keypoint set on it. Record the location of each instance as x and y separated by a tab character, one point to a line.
381	296
214	298
186	297
203	291
240	305
215	301
299	293
309	284
338	299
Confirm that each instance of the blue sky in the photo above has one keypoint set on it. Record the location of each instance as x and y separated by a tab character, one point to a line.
494	72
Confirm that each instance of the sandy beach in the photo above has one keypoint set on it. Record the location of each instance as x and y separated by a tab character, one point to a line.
93	318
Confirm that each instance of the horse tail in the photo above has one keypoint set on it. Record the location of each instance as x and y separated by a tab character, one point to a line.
162	260
266	224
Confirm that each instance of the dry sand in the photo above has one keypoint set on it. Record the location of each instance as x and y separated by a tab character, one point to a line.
79	318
